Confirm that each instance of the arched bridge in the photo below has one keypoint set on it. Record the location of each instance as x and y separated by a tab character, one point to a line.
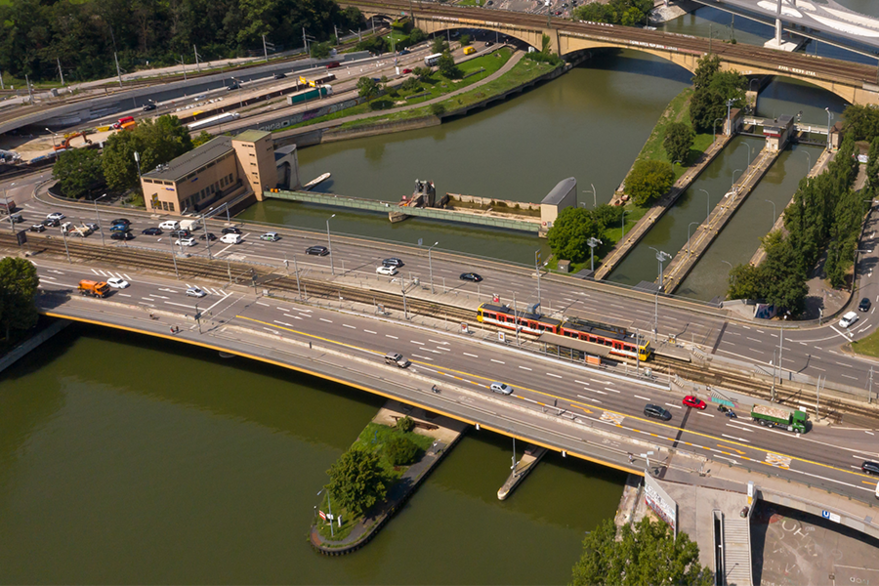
853	82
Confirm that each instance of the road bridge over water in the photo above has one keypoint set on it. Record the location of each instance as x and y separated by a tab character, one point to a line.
853	82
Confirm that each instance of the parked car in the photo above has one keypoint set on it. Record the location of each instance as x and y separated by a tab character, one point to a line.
122	236
392	262
383	270
235	86
270	236
185	242
92	226
231	230
488	43
317	250
333	64
848	319
502	388
231	239
472	277
210	236
691	401
118	283
153	232
657	412
195	292
38	228
864	305
56	216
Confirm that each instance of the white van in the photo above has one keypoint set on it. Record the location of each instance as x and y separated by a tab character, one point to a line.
231	239
848	319
191	225
170	225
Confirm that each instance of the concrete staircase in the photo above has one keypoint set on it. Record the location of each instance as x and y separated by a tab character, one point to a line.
737	552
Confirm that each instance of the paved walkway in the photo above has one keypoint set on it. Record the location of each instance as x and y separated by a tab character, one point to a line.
665	203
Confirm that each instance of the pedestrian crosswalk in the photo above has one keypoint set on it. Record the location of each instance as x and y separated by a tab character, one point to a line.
615	418
777	460
110	274
211	290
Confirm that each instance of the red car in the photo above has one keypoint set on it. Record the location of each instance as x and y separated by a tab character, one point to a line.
691	401
407	70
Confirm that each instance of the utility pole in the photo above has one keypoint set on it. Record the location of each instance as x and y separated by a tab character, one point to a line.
516	318
184	67
60	72
780	351
305	40
772	392
265	51
3	87
174	257
118	73
537	270
195	50
870	389
30	90
66	250
296	270
592	242
821	380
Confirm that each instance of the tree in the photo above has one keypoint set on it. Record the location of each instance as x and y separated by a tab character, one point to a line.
569	235
320	50
401	451
649	180
465	40
405	423
411	85
437	109
862	122
439	45
678	141
117	162
357	481
367	88
423	74
447	66
201	139
624	12
648	554
77	171
873	165
708	66
416	35
18	292
156	141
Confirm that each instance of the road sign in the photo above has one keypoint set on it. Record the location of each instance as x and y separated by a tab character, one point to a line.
22	238
323	515
464	327
832	516
501	337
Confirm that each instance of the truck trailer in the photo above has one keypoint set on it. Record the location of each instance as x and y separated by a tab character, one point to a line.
190	225
772	416
94	288
310	94
218	119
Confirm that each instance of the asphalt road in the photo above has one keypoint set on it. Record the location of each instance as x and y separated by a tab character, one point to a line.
597	400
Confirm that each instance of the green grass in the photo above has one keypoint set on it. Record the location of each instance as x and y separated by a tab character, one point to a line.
440	86
868	346
524	71
470	3
372	439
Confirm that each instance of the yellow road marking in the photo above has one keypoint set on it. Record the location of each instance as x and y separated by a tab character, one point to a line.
729	448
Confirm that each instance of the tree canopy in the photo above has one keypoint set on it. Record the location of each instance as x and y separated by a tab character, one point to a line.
78	171
713	90
862	122
569	235
647	554
624	12
18	292
678	141
447	67
156	142
367	88
357	481
649	180
84	35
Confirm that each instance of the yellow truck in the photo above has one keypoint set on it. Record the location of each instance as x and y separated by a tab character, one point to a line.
94	288
469	50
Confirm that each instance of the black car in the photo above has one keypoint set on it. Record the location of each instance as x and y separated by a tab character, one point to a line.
864	305
125	221
472	277
37	228
16	218
122	236
210	237
488	43
279	76
232	230
392	262
404	52
657	412
148	107
234	86
870	467
181	234
120	228
152	231
317	250
51	223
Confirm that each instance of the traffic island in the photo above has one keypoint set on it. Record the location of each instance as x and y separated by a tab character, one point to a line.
335	531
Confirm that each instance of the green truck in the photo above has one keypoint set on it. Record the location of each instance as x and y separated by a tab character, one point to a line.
777	417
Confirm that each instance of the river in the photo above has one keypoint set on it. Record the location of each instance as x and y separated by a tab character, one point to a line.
125	459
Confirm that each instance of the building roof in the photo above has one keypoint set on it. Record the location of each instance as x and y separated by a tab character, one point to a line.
560	191
191	161
252	135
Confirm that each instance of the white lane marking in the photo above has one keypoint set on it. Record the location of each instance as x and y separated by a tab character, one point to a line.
369	332
739	428
329	321
180	305
284	309
419	343
470	355
347	326
868	432
754	339
818	368
524	367
390	336
263	304
498	361
435	342
422	357
611	390
445	349
124	295
142	303
643	398
846	336
736	438
581	382
553	375
159	296
283	323
844	364
705	414
851	377
271	330
673	405
292	316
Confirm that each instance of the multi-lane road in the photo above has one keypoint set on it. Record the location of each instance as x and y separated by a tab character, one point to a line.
553	401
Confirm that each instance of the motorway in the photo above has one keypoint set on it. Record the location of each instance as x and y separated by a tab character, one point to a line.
587	411
807	350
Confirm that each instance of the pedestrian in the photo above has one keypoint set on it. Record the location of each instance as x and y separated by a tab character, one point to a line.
631	458
172	330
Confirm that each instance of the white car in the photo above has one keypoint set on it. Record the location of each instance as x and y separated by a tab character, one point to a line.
383	270
170	225
848	319
185	242
118	283
56	216
195	292
502	388
231	239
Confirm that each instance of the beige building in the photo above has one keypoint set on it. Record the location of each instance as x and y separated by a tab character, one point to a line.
224	170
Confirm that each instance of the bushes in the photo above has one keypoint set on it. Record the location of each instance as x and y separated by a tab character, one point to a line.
649	180
401	451
411	85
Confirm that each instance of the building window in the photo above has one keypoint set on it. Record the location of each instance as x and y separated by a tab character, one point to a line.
171	205
165	206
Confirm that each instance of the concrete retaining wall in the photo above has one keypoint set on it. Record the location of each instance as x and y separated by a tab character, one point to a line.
334	134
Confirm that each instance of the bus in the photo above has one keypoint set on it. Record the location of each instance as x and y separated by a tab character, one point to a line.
432	60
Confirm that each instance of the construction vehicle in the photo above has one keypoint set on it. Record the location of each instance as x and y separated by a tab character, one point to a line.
72	230
94	288
772	416
68	137
130	125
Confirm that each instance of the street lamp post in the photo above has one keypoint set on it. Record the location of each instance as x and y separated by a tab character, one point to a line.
714	130
661	256
53	137
689	247
173	255
537	270
734	177
137	161
749	153
808	160
66	250
98	218
773	209
707	204
9	211
829	118
329	245
430	265
730	269
594	196
623	224
646	456
592	242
